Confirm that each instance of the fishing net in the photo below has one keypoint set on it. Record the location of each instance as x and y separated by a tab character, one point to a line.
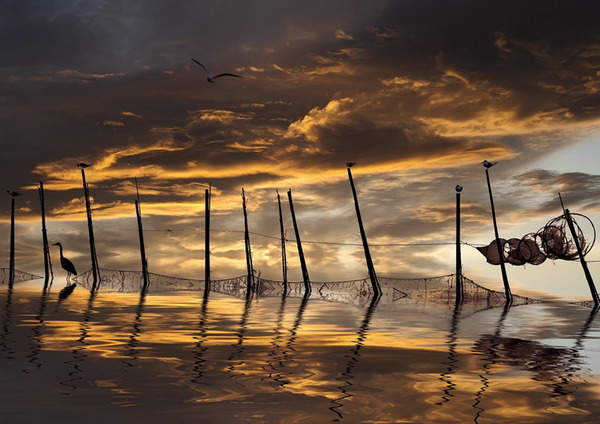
437	290
19	276
553	241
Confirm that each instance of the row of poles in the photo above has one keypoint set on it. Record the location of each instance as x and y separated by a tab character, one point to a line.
251	280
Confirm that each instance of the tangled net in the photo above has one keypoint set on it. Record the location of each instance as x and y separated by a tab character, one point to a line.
553	241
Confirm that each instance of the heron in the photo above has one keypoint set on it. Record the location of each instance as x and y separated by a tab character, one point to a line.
83	165
488	164
211	78
14	193
458	188
65	263
350	164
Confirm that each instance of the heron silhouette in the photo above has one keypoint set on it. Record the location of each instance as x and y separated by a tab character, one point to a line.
66	264
212	78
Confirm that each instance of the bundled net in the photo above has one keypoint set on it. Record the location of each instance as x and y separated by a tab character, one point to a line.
19	276
553	241
437	290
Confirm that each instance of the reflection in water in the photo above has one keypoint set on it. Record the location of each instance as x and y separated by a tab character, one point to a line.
275	359
6	340
353	359
131	349
78	353
490	358
288	355
241	336
36	342
452	361
201	337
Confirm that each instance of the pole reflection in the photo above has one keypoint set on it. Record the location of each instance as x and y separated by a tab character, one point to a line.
6	340
289	352
235	358
275	359
36	343
78	352
353	359
452	360
201	337
131	347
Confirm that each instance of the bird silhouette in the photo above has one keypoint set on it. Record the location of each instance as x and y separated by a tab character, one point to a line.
83	165
458	188
14	193
350	164
65	263
488	164
212	78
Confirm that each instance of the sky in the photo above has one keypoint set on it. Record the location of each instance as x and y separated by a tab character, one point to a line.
417	93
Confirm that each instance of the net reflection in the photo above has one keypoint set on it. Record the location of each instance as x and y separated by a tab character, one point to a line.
353	359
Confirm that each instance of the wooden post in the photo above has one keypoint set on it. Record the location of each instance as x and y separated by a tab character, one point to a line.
586	270
283	252
305	277
207	199
11	267
459	279
249	266
93	256
138	213
507	291
363	235
45	245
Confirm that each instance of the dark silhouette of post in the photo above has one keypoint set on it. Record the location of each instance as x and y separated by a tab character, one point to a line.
249	266
283	252
207	199
582	260
363	236
459	279
507	291
45	245
11	266
144	259
88	209
305	277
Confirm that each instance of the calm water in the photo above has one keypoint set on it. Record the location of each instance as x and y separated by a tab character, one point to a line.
176	358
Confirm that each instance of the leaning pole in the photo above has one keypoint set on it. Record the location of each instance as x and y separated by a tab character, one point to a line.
459	279
305	277
248	248
363	236
507	291
88	209
207	199
45	245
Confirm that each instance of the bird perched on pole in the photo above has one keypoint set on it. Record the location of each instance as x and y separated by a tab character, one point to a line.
488	164
211	78
350	164
14	193
65	263
83	165
458	188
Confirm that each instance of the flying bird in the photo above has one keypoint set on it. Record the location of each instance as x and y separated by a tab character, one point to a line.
212	78
14	193
458	188
488	164
65	263
350	164
83	165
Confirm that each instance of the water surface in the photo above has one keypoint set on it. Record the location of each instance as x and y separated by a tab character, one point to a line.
181	357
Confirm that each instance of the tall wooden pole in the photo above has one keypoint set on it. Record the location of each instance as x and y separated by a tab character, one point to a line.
305	277
93	256
363	236
207	199
249	266
507	291
582	260
45	245
144	259
11	267
459	279
283	252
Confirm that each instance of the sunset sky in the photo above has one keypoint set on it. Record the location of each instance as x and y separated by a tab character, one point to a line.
418	93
